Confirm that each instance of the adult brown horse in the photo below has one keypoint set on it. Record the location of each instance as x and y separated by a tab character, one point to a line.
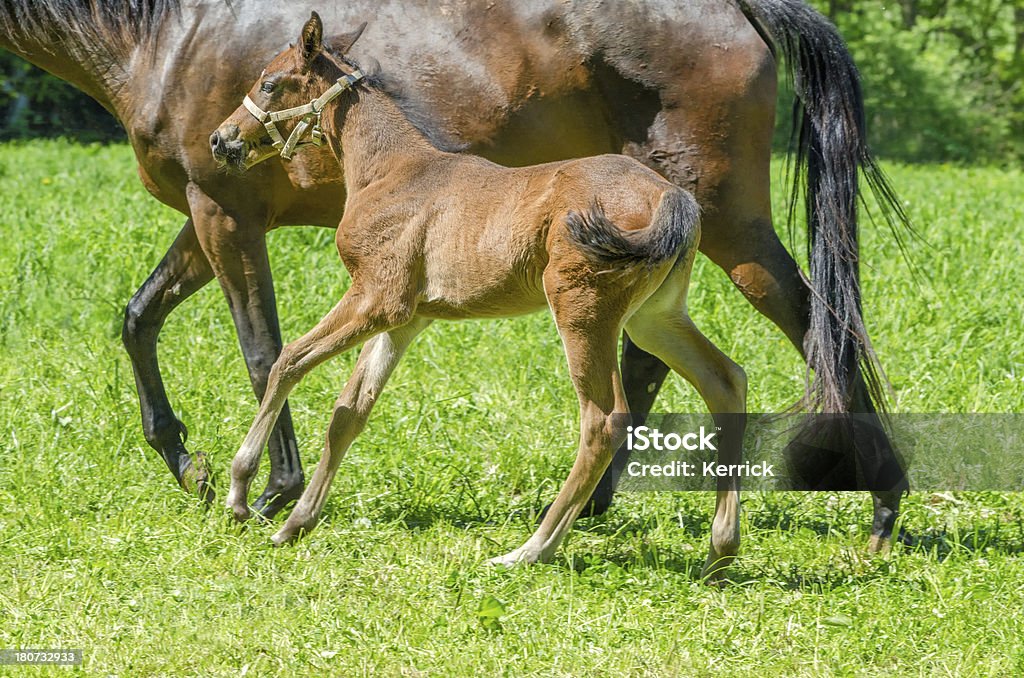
688	88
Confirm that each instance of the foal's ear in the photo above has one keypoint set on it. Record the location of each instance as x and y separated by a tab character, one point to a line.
312	39
343	42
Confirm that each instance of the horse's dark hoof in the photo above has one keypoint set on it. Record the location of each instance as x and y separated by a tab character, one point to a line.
883	543
904	538
273	499
882	528
195	477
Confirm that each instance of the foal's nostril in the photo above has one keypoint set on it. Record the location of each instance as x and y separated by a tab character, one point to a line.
215	140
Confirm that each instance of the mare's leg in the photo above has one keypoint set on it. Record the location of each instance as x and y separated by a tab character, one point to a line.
590	333
182	271
715	140
767	275
377	361
235	244
662	328
351	322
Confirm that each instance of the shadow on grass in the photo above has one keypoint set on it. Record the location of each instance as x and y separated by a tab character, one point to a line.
849	567
631	542
995	537
421	500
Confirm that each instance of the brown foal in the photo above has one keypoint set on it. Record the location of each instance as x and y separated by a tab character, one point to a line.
428	234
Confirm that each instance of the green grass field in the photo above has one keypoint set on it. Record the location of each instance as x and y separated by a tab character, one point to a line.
99	550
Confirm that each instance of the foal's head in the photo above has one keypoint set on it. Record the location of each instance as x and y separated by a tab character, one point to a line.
282	109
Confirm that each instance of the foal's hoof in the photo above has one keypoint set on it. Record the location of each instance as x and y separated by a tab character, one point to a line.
283	537
714	572
508	560
195	477
241	513
521	556
719	559
239	507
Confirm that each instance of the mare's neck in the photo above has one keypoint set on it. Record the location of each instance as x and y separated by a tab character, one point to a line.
376	137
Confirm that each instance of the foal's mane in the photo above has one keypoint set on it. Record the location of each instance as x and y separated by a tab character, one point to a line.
407	103
118	24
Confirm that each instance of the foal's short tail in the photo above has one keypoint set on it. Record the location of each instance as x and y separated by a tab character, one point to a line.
674	229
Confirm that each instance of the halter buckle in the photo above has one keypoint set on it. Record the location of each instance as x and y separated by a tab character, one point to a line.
316	135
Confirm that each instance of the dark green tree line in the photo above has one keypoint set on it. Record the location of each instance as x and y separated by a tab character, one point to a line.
943	79
33	103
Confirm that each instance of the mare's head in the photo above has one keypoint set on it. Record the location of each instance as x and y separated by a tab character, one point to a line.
282	110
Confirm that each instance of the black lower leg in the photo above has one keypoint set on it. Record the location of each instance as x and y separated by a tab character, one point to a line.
182	271
883	468
254	310
286	480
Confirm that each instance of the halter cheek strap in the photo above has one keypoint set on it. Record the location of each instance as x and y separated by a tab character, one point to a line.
309	113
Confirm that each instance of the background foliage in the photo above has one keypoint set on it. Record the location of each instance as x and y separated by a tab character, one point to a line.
34	103
942	79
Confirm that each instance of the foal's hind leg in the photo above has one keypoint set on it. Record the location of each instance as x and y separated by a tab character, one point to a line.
590	336
642	377
665	331
377	361
351	322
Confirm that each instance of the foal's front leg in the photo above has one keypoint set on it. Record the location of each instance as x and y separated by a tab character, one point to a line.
351	322
377	361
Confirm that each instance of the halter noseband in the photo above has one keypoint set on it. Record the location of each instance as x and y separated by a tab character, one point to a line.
310	114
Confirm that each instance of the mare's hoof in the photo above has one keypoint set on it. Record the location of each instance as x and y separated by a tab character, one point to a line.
882	544
195	477
272	501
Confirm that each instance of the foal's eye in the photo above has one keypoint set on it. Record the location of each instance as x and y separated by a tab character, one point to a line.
267	87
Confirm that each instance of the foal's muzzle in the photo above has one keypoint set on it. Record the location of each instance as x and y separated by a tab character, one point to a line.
221	143
228	150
